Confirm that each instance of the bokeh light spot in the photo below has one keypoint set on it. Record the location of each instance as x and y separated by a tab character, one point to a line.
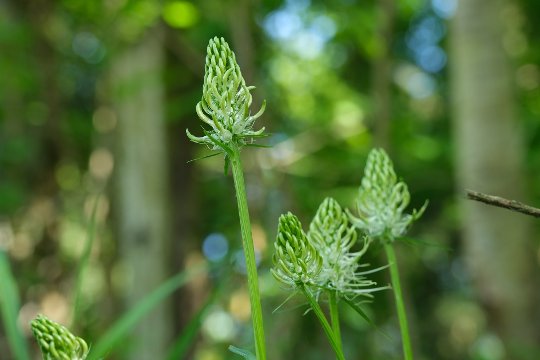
180	14
6	235
348	118
219	326
432	59
22	247
55	306
104	119
94	283
444	8
416	83
68	176
240	261
259	238
27	313
89	47
282	24
488	347
72	238
101	163
215	247
239	305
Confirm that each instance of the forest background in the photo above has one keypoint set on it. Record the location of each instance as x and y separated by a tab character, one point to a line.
95	97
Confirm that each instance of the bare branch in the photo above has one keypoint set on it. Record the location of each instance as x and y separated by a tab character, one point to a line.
504	203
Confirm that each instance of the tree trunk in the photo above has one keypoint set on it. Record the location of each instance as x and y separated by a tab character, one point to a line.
142	185
498	246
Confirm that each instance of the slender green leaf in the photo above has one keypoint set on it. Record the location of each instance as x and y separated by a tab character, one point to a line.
259	145
204	157
359	310
9	308
120	329
243	353
83	262
185	340
356	307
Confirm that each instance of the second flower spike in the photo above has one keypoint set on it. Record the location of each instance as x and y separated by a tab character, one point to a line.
382	200
333	237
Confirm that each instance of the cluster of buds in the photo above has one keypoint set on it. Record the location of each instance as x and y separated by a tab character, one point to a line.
225	102
324	259
382	200
321	259
56	342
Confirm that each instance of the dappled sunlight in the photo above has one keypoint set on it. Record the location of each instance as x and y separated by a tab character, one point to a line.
114	224
239	305
104	119
180	14
219	326
101	164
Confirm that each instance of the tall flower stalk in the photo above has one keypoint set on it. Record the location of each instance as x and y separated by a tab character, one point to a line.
381	203
225	108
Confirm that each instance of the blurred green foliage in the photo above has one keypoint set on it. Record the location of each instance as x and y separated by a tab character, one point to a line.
314	61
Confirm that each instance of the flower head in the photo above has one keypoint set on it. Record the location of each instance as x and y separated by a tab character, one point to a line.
225	101
382	200
57	342
296	261
331	235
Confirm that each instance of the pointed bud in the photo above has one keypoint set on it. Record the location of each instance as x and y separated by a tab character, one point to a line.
296	261
331	235
56	341
225	102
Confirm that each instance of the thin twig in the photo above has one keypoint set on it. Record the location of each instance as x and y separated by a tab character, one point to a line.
504	203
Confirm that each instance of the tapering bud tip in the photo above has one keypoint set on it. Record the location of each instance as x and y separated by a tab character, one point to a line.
226	100
56	341
382	200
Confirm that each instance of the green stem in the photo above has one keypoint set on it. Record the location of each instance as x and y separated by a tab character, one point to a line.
249	254
400	305
334	318
326	326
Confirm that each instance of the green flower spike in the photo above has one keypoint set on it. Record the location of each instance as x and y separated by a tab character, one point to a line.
382	199
296	262
333	238
225	102
57	342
